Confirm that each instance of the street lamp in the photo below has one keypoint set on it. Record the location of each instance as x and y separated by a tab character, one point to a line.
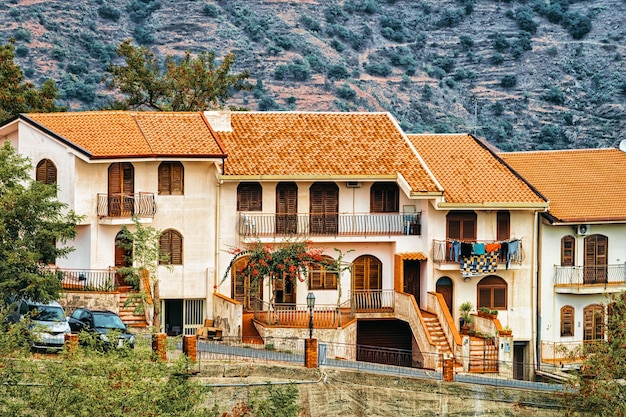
310	302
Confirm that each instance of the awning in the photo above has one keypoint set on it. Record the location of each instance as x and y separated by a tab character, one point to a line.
413	256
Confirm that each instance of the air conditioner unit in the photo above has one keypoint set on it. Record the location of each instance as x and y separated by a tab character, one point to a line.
583	230
353	184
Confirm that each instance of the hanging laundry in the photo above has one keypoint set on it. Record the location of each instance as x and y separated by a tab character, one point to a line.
512	252
504	250
479	249
492	247
455	250
466	250
479	265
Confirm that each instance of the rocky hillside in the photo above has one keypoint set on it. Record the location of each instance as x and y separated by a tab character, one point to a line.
525	74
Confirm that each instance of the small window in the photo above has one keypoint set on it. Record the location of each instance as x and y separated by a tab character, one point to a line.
384	198
46	172
567	321
171	178
492	293
249	196
461	226
568	247
503	225
321	279
171	246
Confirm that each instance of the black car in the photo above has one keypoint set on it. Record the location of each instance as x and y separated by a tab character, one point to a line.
102	323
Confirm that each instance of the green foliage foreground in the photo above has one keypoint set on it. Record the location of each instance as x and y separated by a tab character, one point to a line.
124	382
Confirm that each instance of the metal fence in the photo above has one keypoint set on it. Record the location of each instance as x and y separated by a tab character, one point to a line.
101	280
578	276
126	205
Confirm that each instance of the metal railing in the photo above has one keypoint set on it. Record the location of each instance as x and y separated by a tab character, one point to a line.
325	316
126	205
101	280
328	224
373	301
576	276
443	253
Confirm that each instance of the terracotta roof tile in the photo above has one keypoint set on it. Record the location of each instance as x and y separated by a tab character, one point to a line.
322	144
119	134
582	185
470	173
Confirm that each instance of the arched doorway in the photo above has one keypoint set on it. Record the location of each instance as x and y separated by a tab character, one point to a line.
444	287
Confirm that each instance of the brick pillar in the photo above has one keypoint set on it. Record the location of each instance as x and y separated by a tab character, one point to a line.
448	369
190	347
159	345
71	341
310	353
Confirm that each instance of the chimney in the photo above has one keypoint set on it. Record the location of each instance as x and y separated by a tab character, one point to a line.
219	120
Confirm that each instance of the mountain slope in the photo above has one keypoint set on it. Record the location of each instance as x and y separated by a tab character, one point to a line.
524	74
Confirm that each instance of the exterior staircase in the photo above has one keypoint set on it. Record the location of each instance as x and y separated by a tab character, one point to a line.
437	335
249	334
483	356
126	312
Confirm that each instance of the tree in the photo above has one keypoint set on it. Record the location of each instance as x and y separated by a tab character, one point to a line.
598	387
34	227
19	96
187	84
145	257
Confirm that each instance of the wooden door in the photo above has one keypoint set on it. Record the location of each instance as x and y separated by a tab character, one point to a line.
595	268
412	279
121	189
286	208
444	287
285	291
324	208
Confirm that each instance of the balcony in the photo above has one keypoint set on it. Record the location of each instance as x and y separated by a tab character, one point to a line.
126	205
328	224
589	279
444	254
98	280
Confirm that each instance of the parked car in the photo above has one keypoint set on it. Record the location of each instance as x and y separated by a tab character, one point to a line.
104	324
47	323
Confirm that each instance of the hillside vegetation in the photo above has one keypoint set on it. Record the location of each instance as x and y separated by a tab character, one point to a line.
536	74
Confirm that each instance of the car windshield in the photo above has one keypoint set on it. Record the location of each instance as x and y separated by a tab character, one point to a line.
46	313
108	321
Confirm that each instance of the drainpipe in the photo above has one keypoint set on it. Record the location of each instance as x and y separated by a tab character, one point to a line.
535	297
216	233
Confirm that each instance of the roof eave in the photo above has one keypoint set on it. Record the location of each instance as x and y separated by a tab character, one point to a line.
494	205
306	177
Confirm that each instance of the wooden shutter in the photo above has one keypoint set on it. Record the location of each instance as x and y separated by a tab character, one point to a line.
384	198
567	321
503	225
568	246
359	274
177	178
115	179
461	226
484	297
46	172
499	298
176	252
249	197
374	274
165	184
286	208
315	282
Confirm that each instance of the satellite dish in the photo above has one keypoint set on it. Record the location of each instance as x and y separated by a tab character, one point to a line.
622	145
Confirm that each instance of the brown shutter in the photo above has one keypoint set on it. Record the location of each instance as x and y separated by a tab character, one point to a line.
503	225
567	321
128	179
249	197
376	200
484	297
359	274
330	280
588	331
499	297
316	280
164	246
469	229
177	178
165	185
374	274
454	229
568	245
115	183
177	248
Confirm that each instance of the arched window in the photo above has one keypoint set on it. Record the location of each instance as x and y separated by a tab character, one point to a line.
46	172
171	246
593	316
568	251
384	197
171	178
321	279
492	293
567	321
367	272
249	196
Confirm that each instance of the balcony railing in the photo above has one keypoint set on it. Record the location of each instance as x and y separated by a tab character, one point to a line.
297	315
579	276
126	205
329	224
373	301
444	253
101	280
567	352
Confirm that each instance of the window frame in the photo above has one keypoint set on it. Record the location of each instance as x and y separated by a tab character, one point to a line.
46	172
384	197
568	254
369	261
326	280
567	321
492	284
167	247
173	186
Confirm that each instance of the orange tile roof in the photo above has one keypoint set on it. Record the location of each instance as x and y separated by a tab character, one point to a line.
471	174
582	185
322	144
121	134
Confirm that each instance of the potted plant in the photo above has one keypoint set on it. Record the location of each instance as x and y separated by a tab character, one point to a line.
487	312
466	318
505	331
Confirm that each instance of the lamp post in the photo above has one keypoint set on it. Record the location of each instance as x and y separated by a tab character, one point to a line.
310	302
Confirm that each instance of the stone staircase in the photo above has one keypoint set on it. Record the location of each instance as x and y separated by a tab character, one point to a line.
483	356
437	335
126	312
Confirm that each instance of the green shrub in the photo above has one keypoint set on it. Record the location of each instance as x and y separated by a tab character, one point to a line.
427	92
554	95
310	24
450	18
337	46
577	25
496	59
378	69
108	12
500	43
446	63
338	72
210	10
267	103
524	19
346	92
497	108
139	10
21	51
143	36
393	29
23	35
466	42
334	14
508	81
